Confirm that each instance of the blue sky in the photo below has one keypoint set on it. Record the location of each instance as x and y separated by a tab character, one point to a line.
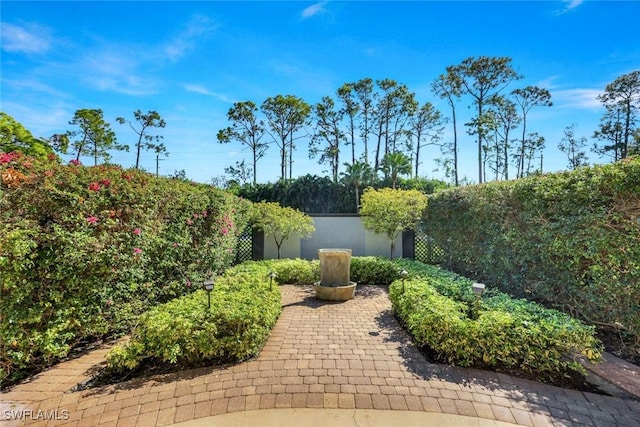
191	61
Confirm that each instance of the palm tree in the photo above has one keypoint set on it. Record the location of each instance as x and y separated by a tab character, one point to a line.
395	164
356	175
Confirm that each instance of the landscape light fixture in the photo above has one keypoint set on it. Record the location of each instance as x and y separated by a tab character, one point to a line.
208	286
478	290
403	274
272	276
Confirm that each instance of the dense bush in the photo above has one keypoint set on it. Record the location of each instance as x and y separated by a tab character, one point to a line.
373	271
570	240
517	336
244	308
84	250
314	194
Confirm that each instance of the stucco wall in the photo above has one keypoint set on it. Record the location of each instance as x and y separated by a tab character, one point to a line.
334	232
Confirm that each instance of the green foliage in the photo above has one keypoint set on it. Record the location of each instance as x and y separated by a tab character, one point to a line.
85	250
510	335
243	310
281	222
373	271
570	240
388	211
314	194
15	137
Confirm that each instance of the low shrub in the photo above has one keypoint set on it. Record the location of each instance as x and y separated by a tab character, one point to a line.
243	310
373	270
570	240
438	309
296	271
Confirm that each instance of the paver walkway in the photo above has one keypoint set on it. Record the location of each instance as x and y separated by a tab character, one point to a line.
320	355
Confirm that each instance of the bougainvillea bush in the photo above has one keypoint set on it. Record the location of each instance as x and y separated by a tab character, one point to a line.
570	240
85	250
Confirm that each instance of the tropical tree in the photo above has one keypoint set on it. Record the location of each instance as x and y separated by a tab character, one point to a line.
390	212
394	164
246	129
573	148
622	101
356	175
328	135
425	128
15	137
281	222
395	105
482	78
527	98
363	89
95	137
285	116
505	119
145	121
159	149
350	109
240	172
448	86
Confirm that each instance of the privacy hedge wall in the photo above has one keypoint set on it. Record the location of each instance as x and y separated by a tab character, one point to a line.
571	240
85	250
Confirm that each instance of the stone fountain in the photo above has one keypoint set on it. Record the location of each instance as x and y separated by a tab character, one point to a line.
335	283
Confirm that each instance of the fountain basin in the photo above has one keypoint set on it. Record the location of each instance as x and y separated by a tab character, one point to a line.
335	283
335	293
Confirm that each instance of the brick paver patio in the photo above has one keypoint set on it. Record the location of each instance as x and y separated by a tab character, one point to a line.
320	355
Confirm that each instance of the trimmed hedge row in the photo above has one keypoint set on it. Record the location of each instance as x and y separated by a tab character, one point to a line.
438	308
570	240
85	250
244	309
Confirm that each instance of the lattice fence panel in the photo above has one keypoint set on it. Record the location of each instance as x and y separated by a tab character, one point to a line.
244	247
427	251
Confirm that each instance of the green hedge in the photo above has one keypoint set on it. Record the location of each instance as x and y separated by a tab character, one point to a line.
570	240
85	250
244	308
517	336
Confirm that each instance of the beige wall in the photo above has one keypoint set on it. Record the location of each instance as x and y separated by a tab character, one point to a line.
334	232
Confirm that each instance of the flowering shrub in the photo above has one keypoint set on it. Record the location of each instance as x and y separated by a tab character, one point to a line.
85	250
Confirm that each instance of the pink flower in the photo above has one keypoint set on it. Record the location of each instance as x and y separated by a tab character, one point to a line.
126	176
195	215
109	301
137	251
105	182
205	213
224	231
175	245
48	173
92	219
137	231
188	283
189	222
75	162
94	186
7	157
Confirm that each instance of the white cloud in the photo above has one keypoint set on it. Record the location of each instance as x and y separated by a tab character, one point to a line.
199	27
314	10
577	98
204	91
30	38
569	5
116	70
